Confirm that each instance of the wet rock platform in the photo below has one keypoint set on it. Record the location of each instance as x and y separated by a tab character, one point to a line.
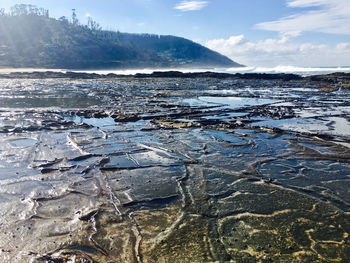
174	170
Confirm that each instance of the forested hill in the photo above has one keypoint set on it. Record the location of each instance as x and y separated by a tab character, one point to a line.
30	38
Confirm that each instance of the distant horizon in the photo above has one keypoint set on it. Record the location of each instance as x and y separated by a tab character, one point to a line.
304	71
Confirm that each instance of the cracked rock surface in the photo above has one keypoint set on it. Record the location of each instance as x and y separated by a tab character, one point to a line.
173	170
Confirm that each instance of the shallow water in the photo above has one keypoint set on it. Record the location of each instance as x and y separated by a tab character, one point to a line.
228	101
173	170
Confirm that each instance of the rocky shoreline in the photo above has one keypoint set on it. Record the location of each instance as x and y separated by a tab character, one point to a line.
333	78
158	168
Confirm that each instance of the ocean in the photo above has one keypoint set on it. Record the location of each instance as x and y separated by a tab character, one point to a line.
303	71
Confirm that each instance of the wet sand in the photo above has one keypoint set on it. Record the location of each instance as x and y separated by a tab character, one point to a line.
174	170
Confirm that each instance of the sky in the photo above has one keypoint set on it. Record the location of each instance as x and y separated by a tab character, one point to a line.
260	33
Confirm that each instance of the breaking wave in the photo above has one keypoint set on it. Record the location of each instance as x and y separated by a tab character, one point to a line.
289	69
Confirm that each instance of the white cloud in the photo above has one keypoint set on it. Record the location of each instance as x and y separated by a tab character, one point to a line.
88	15
283	51
343	46
191	5
326	16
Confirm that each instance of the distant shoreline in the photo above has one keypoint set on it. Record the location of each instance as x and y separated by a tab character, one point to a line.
28	70
46	74
302	71
340	79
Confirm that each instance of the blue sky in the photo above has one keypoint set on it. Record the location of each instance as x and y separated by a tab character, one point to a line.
264	33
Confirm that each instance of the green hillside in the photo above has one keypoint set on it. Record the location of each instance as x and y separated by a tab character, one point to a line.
30	38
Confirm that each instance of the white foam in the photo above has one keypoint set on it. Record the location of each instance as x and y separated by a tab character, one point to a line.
290	69
305	71
278	69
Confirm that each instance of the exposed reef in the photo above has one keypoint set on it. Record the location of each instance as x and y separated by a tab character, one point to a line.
169	168
338	79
